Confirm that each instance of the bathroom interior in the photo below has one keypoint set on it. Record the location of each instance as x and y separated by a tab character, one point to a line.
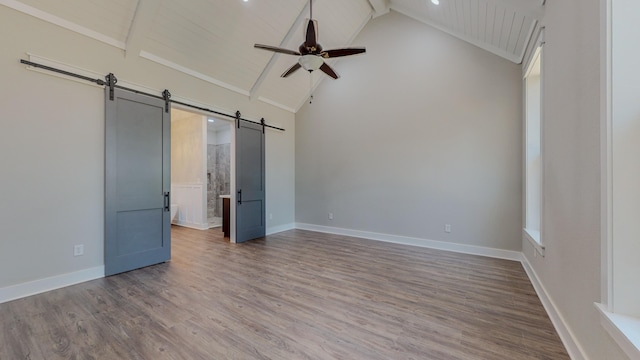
200	168
218	168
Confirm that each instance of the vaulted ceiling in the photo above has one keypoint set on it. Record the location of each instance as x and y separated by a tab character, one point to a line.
213	39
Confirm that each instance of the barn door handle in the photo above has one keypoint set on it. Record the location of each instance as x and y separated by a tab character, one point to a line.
167	201
240	196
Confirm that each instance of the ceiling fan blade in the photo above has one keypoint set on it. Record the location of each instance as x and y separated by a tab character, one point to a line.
311	34
291	70
329	71
342	52
276	49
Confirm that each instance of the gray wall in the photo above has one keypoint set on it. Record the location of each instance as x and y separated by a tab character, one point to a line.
570	271
416	134
52	146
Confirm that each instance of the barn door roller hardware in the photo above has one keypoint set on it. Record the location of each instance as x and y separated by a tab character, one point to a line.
166	95
261	123
111	82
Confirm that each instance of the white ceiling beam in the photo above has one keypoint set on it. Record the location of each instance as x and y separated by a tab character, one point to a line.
45	16
140	26
533	8
380	7
185	70
255	89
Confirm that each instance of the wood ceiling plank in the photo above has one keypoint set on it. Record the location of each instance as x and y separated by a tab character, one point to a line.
507	29
516	30
447	15
475	14
490	23
216	38
498	25
141	23
109	18
455	18
494	25
531	8
466	11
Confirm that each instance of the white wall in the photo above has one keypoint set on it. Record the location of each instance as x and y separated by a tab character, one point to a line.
211	137
570	270
52	161
223	136
187	150
416	134
52	147
219	135
188	170
280	180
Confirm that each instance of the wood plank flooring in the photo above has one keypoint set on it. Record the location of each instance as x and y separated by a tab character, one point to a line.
292	295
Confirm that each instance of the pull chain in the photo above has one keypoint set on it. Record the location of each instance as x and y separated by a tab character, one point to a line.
310	87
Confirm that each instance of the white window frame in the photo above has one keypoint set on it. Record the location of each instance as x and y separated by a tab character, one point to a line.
616	320
534	236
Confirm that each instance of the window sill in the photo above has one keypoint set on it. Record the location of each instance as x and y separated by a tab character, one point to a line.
625	330
534	238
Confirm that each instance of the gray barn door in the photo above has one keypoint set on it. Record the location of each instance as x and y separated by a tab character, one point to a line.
250	182
137	182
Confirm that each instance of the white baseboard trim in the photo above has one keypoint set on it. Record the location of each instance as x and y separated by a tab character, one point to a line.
576	352
405	240
191	225
280	228
18	291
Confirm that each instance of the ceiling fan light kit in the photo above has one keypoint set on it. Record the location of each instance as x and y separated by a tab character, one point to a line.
310	62
311	52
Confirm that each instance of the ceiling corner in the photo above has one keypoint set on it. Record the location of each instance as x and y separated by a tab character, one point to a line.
380	7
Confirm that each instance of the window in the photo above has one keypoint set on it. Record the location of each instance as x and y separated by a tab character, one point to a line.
620	306
532	152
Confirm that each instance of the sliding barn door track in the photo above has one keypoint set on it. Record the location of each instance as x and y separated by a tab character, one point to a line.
110	81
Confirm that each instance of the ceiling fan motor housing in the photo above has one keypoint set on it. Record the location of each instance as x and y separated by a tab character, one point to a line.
315	50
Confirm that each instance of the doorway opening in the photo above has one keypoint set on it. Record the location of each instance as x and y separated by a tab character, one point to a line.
201	168
218	168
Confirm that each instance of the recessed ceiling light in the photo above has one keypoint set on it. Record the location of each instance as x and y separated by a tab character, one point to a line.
211	120
435	2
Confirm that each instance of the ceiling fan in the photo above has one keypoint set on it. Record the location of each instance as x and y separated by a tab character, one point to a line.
310	51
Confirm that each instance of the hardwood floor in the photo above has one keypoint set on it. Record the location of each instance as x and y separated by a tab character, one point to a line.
293	295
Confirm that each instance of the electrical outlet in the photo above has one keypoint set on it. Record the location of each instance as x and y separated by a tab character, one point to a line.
78	250
270	216
447	228
330	216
